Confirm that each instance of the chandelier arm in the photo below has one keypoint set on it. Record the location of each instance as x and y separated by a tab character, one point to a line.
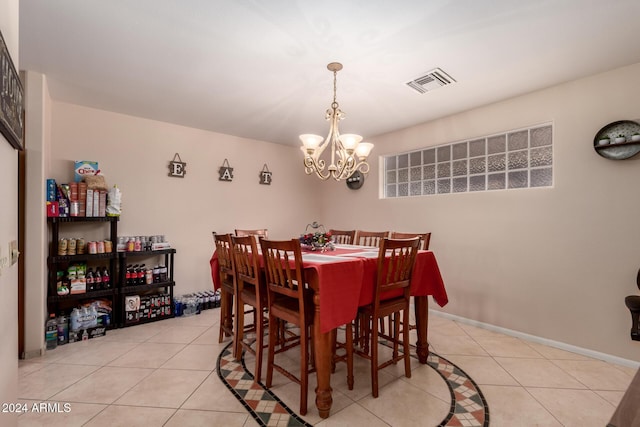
343	166
312	165
363	167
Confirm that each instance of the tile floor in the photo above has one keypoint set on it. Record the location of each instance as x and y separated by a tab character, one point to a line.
164	374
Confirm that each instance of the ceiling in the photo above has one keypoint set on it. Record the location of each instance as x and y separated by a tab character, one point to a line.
257	68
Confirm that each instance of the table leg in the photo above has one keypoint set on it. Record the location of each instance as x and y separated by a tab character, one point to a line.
421	306
323	356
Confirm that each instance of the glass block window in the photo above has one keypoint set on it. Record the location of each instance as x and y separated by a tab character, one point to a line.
520	158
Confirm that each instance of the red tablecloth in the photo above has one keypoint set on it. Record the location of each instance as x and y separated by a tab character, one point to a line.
347	282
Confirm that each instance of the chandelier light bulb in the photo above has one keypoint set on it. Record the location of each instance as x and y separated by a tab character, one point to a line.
310	141
363	149
350	141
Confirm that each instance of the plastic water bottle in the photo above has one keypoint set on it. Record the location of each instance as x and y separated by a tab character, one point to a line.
51	332
63	329
93	317
75	320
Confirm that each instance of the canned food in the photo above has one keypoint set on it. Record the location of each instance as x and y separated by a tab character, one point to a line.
100	247
74	209
62	247
80	246
108	246
92	248
71	247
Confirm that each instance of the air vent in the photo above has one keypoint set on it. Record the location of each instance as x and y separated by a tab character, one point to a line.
430	80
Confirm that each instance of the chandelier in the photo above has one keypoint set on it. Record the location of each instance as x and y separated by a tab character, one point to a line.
348	153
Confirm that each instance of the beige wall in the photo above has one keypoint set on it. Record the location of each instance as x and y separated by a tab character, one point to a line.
134	154
551	262
8	232
38	131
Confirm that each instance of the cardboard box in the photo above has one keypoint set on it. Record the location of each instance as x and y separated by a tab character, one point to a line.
52	209
52	190
89	205
132	303
86	334
85	167
78	286
96	203
132	317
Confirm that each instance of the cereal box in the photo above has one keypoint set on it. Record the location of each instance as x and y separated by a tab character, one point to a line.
85	167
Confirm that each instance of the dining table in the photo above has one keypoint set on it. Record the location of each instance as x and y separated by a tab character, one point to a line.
343	279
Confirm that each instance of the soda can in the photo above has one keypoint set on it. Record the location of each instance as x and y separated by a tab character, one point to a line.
92	248
100	247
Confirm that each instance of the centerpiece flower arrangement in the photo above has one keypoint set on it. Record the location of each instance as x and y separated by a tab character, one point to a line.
319	239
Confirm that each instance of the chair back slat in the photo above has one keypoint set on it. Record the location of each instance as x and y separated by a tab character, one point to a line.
283	268
369	238
396	259
247	262
223	249
342	237
226	262
425	238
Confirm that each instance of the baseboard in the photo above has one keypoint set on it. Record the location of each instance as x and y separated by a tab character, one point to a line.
31	354
532	338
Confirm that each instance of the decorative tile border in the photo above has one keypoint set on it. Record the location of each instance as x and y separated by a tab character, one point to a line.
468	405
264	406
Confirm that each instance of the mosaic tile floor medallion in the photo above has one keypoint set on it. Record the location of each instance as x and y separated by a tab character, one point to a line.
468	405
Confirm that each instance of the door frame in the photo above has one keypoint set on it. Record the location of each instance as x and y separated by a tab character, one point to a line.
21	236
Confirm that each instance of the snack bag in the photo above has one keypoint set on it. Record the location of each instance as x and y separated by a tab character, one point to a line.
114	202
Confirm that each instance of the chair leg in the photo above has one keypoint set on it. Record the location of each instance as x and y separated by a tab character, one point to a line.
226	314
304	368
273	330
239	330
394	322
405	337
349	344
259	324
366	333
374	357
334	339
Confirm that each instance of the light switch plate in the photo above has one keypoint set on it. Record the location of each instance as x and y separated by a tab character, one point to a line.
13	251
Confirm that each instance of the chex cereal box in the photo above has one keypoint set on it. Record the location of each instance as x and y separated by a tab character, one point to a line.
85	167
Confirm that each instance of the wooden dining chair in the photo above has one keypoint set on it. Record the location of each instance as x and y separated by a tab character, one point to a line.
251	291
342	237
425	238
227	271
369	238
392	291
289	300
259	232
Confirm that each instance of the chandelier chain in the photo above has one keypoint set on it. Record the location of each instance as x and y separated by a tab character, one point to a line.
335	88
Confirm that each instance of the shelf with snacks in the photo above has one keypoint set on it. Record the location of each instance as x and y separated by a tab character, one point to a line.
142	286
72	281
